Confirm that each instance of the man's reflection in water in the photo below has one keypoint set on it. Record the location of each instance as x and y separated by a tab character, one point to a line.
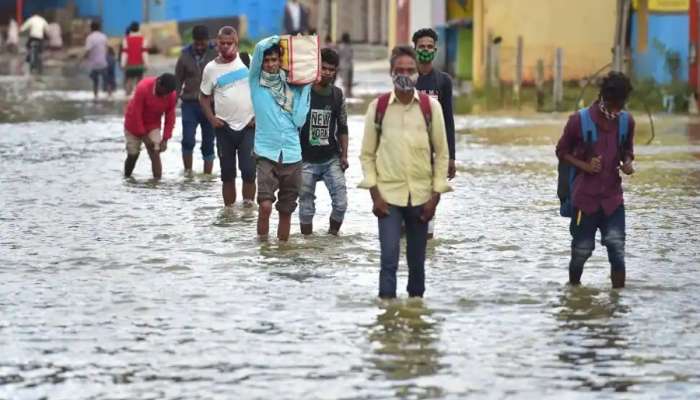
404	338
590	325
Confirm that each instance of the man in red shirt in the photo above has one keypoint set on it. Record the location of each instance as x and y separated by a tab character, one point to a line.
152	98
598	202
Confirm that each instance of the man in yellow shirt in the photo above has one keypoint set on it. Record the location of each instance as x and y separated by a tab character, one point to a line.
404	160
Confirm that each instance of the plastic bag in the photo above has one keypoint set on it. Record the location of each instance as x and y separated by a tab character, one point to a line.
301	58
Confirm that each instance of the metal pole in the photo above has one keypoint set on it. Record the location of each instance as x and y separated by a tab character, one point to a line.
558	78
617	53
20	12
489	60
623	33
623	9
539	83
517	82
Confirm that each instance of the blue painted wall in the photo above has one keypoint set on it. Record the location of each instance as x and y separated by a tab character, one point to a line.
264	16
116	15
672	31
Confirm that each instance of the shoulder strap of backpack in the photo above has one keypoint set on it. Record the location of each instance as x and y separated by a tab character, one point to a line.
623	128
589	132
382	105
427	111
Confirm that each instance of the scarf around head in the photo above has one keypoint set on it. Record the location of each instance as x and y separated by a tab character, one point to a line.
277	83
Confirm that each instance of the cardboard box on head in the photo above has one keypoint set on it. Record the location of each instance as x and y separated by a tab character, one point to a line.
301	58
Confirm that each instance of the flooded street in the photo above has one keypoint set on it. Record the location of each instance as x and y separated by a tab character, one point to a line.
118	288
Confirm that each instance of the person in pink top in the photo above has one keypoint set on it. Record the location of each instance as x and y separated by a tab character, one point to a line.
153	98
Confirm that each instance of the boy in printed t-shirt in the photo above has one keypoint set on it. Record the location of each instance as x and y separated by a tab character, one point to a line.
324	147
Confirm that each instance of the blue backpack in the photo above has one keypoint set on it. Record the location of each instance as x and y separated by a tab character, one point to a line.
567	172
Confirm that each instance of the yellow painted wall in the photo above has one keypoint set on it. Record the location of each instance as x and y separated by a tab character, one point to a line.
665	5
460	9
584	29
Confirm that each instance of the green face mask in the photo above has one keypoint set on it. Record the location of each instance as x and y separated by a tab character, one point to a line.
425	56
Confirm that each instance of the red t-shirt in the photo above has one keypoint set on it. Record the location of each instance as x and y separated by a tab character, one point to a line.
592	192
134	50
145	109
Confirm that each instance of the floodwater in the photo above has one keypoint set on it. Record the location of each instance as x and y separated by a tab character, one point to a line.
118	288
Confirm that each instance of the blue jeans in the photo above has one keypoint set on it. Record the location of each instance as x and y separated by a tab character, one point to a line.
612	230
192	115
333	176
390	245
96	75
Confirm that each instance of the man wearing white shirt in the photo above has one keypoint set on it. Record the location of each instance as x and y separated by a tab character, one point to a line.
36	25
226	80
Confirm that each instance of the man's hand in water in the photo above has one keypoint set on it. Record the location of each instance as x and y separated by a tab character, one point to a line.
380	208
163	145
627	167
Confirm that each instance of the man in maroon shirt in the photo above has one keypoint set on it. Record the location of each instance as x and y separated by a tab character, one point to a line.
152	98
597	189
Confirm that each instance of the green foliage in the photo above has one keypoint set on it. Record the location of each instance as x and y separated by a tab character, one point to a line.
646	93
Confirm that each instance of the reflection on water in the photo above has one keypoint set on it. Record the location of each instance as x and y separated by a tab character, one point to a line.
119	288
404	338
592	322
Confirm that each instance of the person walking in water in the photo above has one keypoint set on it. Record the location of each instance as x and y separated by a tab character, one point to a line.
134	57
226	80
598	142
324	147
280	110
153	98
37	27
438	85
404	162
188	72
96	58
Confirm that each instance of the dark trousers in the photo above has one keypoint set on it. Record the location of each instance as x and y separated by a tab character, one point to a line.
612	230
193	116
390	245
232	144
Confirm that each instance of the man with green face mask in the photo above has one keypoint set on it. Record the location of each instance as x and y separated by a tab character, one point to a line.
438	85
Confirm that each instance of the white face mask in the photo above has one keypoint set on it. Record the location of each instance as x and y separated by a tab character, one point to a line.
404	82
